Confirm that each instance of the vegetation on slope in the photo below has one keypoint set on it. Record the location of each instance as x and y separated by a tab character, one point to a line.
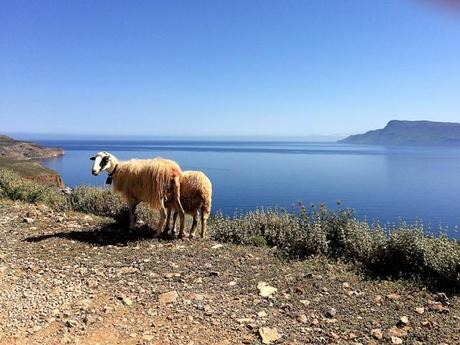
398	251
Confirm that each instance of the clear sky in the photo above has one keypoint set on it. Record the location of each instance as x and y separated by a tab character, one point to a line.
234	67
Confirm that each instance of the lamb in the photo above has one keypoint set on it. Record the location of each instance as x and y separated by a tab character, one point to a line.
143	180
196	196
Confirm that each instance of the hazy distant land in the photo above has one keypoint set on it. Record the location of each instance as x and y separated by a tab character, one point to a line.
410	133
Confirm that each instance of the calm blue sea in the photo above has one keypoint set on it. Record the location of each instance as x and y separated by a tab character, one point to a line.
385	184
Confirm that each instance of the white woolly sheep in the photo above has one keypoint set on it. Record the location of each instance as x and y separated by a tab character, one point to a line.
143	180
195	196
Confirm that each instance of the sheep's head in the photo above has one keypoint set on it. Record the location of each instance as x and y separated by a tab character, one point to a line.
103	161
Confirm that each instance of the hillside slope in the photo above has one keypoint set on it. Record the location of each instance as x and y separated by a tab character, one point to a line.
78	279
23	157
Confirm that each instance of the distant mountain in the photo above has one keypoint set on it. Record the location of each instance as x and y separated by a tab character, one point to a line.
410	133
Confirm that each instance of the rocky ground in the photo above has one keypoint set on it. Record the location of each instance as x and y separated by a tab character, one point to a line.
78	279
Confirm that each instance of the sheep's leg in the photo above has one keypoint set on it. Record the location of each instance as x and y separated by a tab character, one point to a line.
162	222
168	217
194	224
204	218
132	204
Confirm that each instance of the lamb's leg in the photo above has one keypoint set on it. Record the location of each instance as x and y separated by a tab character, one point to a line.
194	224
178	206
174	221
204	219
132	204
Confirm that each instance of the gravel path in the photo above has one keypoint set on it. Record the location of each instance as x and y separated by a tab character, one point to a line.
77	279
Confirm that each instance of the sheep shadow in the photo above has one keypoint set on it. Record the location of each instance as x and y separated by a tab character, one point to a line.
114	234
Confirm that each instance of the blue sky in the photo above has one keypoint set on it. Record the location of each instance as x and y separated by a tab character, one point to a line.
223	68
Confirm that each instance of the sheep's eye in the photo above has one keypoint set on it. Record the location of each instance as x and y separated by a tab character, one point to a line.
104	162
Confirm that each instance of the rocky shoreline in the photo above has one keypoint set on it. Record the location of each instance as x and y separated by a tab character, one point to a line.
25	158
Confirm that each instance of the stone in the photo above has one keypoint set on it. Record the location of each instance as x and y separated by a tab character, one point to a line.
396	340
126	300
217	246
305	302
437	307
269	335
420	310
403	321
397	332
266	290
376	333
71	323
302	318
262	314
28	220
168	297
393	297
346	285
331	312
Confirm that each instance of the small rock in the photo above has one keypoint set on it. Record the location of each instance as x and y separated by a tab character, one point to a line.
305	302
346	285
376	333
262	314
420	310
331	312
378	299
126	300
352	336
397	332
28	220
335	336
266	290
437	307
393	296
441	297
217	246
403	321
71	323
168	297
302	318
89	319
214	274
396	340
232	283
269	335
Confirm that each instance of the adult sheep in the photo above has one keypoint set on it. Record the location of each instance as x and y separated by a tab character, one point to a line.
195	197
143	180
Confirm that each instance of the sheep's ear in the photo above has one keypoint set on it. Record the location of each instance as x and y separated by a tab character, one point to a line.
92	158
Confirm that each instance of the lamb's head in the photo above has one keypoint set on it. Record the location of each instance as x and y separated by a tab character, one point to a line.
103	161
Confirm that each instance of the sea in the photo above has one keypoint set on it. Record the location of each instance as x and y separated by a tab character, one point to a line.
383	184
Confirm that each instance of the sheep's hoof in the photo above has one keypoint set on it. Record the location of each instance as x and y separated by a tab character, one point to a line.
192	236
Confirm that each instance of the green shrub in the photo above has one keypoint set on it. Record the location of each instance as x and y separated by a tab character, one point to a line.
14	187
98	201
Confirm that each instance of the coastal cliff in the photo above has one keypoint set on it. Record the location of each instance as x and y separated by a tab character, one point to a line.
23	157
